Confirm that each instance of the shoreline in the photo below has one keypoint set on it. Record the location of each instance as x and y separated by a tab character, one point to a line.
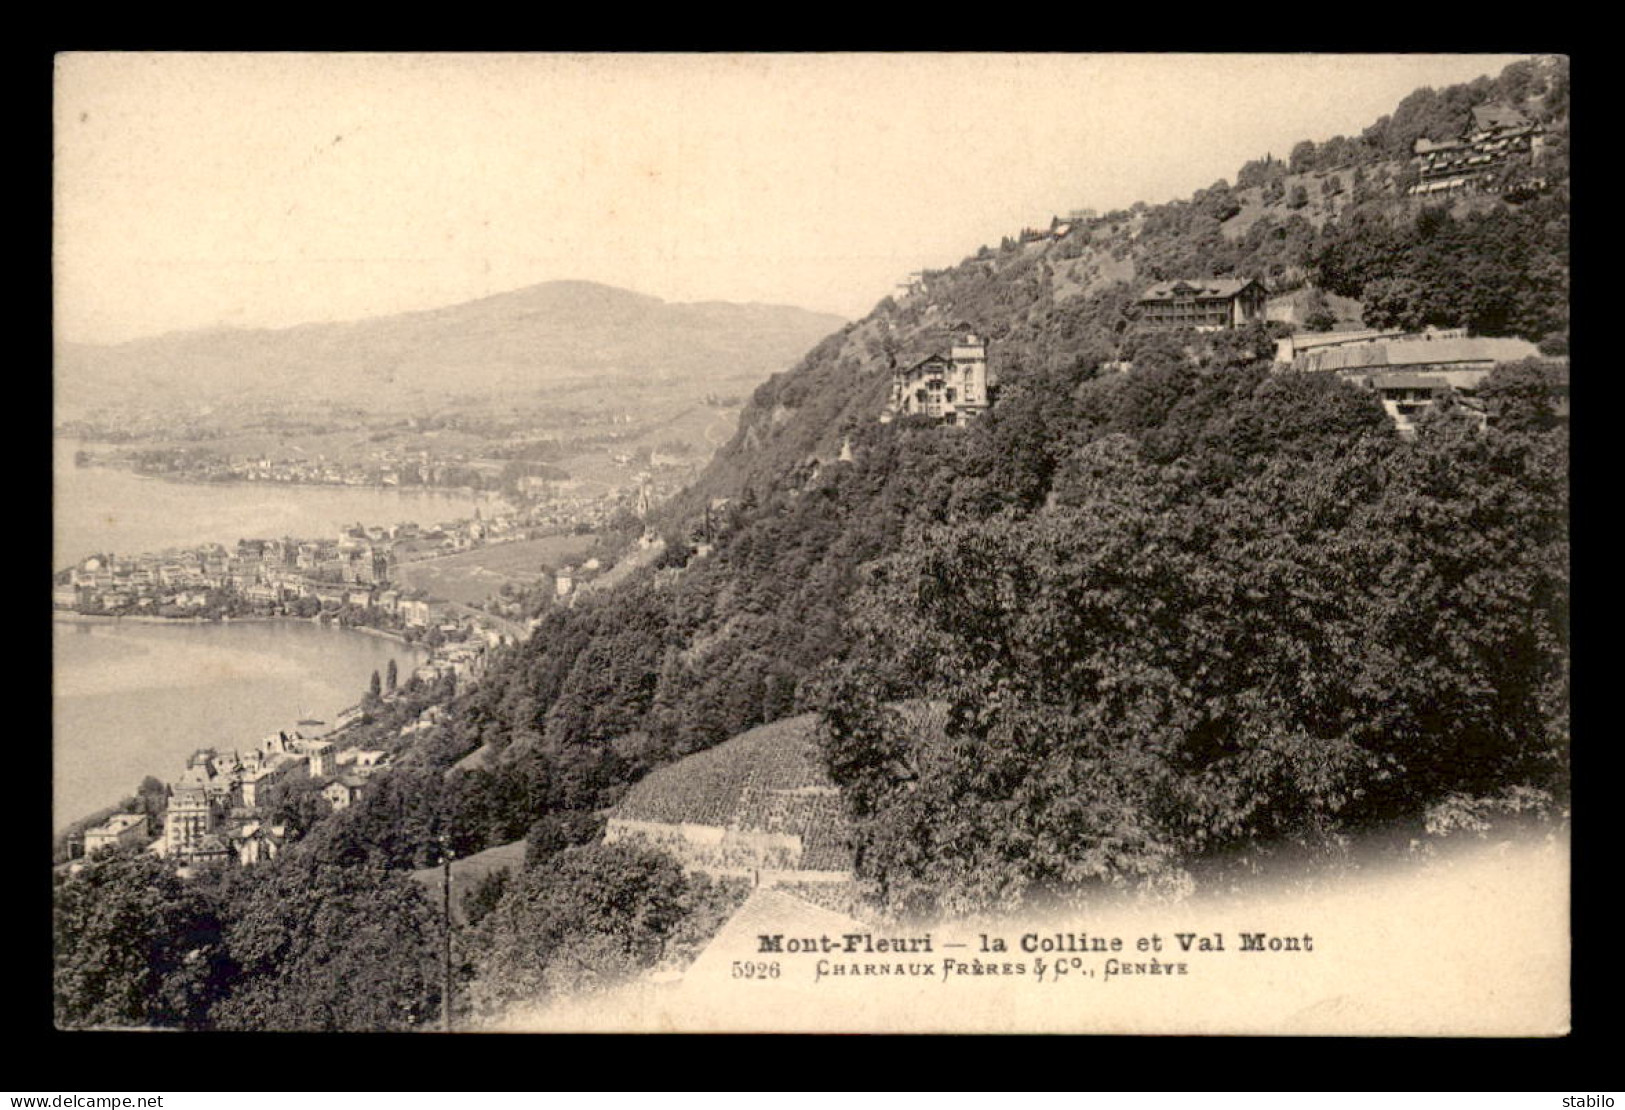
65	617
141	618
456	493
386	634
192	622
110	618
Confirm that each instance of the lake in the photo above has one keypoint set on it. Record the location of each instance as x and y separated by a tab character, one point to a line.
131	700
98	509
134	699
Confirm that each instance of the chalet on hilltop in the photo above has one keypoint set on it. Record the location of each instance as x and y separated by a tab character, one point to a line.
1493	134
1207	304
953	388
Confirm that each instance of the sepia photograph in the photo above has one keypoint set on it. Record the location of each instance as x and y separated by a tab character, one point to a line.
811	543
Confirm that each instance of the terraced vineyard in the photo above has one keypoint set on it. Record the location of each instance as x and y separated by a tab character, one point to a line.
765	781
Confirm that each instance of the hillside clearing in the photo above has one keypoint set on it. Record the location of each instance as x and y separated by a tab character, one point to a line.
467	873
470	577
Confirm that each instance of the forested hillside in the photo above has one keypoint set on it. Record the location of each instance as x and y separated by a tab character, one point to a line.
1171	612
702	649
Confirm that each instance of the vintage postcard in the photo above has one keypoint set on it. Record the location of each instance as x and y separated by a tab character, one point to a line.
917	542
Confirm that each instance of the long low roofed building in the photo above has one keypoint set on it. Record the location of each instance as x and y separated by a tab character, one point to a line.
1414	352
1412	373
1206	304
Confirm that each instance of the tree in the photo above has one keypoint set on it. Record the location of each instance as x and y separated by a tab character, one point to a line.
486	894
327	949
1357	185
1243	346
134	946
555	832
1395	303
153	798
1259	172
391	675
1277	631
1318	314
1522	396
586	919
297	804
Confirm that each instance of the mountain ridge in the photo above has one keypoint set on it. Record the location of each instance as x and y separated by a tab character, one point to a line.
503	343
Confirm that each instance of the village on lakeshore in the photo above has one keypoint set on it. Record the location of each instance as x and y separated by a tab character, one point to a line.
216	810
356	578
350	578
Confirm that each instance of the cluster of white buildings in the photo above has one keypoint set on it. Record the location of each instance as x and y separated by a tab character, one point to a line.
215	811
266	571
214	808
354	569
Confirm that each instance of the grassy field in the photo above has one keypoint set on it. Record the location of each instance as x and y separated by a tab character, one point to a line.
472	576
465	873
703	428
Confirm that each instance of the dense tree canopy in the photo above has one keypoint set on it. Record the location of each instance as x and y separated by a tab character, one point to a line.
1270	633
134	945
322	948
1501	272
588	918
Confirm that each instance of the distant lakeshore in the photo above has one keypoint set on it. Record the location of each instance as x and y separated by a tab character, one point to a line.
128	701
449	493
114	619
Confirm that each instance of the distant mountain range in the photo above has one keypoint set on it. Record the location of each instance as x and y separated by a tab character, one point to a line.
509	344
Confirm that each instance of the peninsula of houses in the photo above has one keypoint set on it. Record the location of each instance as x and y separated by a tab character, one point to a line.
353	578
272	577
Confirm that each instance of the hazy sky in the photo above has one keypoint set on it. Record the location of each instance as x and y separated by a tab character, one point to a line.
270	190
